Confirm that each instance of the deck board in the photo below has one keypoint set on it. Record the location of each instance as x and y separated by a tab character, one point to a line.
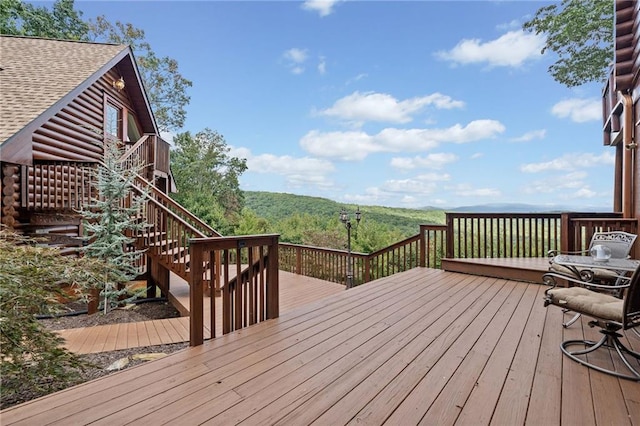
295	291
425	346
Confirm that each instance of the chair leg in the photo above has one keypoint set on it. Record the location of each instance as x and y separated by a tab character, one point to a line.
571	321
610	339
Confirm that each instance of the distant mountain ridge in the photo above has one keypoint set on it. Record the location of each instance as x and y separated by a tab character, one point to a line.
523	208
272	205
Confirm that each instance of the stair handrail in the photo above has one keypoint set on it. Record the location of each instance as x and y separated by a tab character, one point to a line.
133	148
172	214
206	230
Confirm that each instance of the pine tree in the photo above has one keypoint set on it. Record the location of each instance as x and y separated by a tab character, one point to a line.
111	221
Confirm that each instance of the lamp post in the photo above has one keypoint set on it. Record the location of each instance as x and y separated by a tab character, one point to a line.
346	220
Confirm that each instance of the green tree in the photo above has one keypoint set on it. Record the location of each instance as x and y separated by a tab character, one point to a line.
580	32
207	176
164	84
62	21
111	221
250	223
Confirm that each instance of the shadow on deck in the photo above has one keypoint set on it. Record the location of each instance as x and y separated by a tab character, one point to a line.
424	346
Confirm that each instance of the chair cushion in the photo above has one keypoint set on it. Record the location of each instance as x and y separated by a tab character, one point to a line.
578	299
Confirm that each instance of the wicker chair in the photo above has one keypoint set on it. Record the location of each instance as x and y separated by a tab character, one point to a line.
611	314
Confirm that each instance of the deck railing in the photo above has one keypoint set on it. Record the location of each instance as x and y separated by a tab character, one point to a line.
250	294
466	235
423	249
141	156
474	235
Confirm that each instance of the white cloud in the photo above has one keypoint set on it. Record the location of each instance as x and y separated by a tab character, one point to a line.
370	106
357	145
571	185
296	55
578	110
322	65
511	50
529	136
431	161
298	171
323	7
295	58
513	24
466	190
356	78
571	162
424	184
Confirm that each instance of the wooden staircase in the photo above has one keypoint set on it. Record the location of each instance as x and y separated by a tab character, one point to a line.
170	225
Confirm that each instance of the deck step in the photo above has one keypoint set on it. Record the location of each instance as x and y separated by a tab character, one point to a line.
512	268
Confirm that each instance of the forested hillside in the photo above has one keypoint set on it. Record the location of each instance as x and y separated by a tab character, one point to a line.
315	221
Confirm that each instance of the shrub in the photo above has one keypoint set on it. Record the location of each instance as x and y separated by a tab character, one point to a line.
32	360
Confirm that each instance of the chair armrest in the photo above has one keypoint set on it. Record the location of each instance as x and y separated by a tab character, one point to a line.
549	278
554	253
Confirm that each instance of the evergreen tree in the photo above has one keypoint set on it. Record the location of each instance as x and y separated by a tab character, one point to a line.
111	221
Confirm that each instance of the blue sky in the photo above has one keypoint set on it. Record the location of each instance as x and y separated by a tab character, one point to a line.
404	104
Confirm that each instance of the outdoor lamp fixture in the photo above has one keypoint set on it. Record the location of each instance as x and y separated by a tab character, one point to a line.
346	220
118	84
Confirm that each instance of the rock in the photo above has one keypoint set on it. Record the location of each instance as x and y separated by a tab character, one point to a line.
119	364
149	356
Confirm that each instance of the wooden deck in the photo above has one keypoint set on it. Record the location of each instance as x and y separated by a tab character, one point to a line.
295	291
421	347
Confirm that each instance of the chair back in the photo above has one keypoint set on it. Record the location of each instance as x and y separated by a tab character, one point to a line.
631	313
618	242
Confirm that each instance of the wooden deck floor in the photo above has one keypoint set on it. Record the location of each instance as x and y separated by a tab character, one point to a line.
422	347
295	291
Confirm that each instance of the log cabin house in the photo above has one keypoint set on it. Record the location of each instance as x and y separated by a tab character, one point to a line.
60	101
621	109
427	347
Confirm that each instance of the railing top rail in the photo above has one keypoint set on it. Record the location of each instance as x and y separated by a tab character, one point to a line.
135	146
433	226
396	245
237	241
172	214
593	215
321	249
164	197
505	215
603	219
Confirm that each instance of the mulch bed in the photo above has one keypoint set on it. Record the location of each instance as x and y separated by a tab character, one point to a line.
99	362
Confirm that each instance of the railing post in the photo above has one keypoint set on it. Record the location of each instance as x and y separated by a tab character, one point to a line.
273	287
196	298
423	246
298	261
565	232
449	237
367	269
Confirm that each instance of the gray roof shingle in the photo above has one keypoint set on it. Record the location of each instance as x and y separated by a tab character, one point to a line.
35	73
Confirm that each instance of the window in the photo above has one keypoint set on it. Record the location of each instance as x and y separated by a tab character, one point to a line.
133	132
113	121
